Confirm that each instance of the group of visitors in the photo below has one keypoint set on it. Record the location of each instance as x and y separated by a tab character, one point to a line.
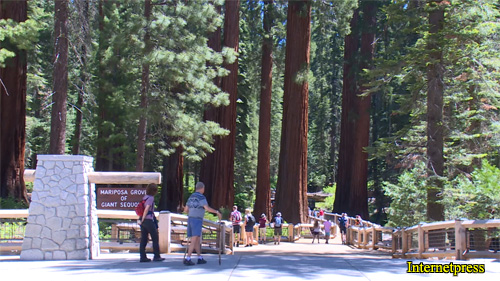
316	230
196	206
315	213
249	223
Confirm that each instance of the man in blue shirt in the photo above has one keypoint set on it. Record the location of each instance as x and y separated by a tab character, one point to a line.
343	225
195	207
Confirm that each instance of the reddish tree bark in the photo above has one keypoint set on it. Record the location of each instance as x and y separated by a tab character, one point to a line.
291	191
359	172
60	87
263	189
172	189
343	192
143	121
220	184
13	110
435	90
207	167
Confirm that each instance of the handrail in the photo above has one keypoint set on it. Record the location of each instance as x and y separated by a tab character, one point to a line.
110	177
461	239
165	219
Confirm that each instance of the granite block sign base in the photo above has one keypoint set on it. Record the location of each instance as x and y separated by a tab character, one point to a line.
62	220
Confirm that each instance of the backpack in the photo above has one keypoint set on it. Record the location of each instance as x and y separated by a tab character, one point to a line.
342	221
250	220
237	216
139	209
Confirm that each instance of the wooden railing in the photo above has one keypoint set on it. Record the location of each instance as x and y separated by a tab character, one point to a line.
111	177
172	232
460	239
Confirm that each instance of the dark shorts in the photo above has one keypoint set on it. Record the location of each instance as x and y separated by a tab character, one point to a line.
343	230
236	228
194	227
315	232
278	231
249	228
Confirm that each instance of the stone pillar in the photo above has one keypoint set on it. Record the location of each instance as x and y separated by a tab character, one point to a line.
62	220
164	231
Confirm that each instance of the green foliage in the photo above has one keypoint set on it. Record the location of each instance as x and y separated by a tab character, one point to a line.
328	204
409	197
12	203
469	44
183	69
476	196
18	35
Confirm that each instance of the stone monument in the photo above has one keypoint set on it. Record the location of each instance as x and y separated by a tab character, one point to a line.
62	220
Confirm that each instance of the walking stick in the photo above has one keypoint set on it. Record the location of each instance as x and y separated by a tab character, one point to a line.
221	240
187	246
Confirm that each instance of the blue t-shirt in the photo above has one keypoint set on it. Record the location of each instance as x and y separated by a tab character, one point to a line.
150	200
196	204
278	221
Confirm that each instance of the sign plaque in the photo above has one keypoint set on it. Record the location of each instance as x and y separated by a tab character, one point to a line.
119	198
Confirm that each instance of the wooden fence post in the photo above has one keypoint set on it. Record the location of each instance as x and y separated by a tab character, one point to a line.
365	237
395	241
360	238
460	240
404	241
231	239
374	238
421	240
164	229
291	238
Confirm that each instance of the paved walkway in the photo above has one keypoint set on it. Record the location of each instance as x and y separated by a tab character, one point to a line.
288	261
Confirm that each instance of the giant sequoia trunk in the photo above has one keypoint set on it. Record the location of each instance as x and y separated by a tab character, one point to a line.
263	189
344	181
172	189
435	90
359	172
60	95
143	121
207	167
220	183
13	110
291	191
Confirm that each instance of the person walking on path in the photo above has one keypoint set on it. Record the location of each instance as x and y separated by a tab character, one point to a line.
149	225
195	207
278	225
343	224
316	230
262	229
327	225
249	224
236	220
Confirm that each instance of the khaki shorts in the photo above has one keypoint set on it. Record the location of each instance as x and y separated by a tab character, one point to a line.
278	231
